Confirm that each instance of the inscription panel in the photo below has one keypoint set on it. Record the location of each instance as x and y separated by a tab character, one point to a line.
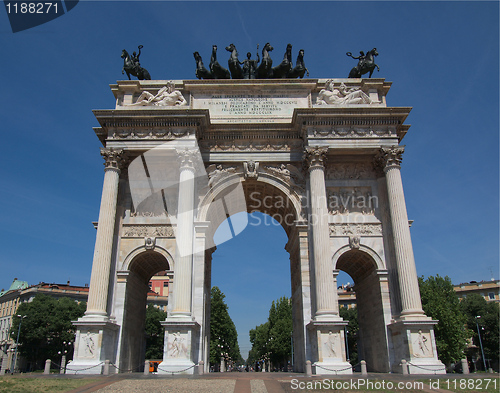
243	107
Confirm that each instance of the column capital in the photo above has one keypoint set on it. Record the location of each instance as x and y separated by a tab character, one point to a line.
315	157
114	159
389	157
189	158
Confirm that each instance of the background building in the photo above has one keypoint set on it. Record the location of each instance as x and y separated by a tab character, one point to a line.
489	290
20	292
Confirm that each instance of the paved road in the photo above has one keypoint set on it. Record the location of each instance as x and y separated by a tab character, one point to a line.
262	383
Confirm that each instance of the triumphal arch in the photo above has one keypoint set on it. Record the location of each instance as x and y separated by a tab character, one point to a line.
321	156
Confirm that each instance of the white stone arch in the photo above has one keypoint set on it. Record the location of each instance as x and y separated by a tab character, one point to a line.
221	187
136	252
379	263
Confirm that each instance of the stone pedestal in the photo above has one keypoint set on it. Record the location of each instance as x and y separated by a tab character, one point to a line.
180	346
94	344
414	342
328	347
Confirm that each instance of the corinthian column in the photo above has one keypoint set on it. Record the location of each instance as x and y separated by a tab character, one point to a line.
101	265
390	159
185	233
326	293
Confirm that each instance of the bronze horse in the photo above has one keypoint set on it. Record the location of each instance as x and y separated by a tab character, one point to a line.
300	67
365	65
282	70
265	66
218	72
233	63
201	71
133	69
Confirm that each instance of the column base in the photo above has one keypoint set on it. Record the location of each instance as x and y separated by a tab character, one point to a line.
414	342
179	351
328	347
95	342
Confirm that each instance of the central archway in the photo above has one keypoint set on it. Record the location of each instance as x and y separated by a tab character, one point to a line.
271	196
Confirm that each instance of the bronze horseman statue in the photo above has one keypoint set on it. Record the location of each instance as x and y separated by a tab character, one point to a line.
131	65
366	63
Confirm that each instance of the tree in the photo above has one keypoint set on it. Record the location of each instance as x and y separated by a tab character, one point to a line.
473	306
440	301
223	334
351	315
46	325
280	332
273	339
155	333
259	338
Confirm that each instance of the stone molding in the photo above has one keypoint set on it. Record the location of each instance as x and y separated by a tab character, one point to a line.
150	133
352	132
247	145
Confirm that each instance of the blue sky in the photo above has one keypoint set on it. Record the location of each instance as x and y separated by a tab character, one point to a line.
442	58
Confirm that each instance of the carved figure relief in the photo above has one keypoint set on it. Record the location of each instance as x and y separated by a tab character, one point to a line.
354	171
351	200
329	344
356	229
176	346
89	342
216	172
354	241
289	173
421	345
341	95
250	169
166	96
148	231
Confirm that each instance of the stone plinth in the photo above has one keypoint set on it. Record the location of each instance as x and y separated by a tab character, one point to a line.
328	347
94	344
180	347
414	342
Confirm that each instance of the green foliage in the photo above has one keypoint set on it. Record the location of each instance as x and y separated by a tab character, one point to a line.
223	335
273	339
439	301
44	328
351	315
474	305
155	332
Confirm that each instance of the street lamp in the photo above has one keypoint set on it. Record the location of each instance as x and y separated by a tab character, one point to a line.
347	344
17	341
480	342
63	352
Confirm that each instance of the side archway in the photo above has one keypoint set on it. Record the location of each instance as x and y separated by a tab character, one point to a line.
366	268
140	265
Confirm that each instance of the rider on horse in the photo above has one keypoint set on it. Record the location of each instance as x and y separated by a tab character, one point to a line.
135	59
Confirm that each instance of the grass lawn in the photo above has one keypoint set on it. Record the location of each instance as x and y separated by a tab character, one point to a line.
16	384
